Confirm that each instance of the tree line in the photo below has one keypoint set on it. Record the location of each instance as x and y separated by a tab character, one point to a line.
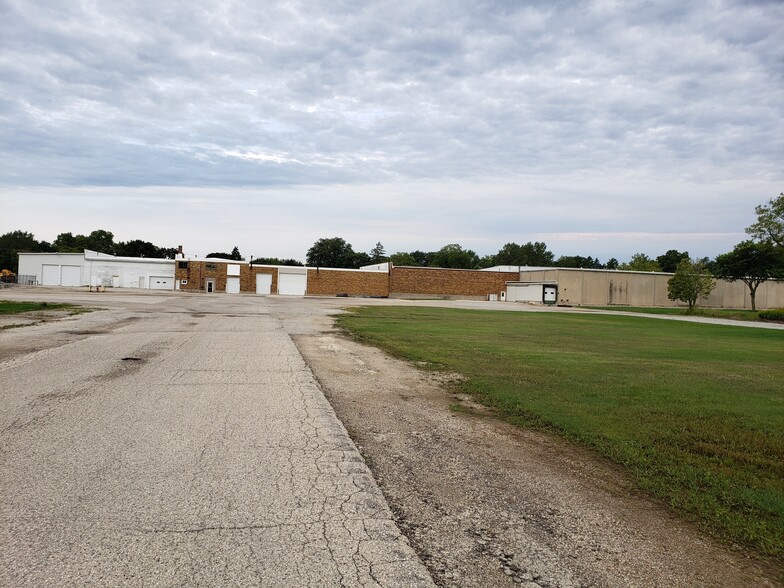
16	242
753	261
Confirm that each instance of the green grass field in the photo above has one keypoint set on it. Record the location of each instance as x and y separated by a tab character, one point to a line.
14	307
694	412
725	313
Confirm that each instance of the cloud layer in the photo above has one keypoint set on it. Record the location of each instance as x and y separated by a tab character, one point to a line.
656	109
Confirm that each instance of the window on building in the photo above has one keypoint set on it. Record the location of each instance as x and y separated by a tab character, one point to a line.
182	264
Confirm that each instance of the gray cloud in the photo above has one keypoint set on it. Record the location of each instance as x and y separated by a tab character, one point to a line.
642	102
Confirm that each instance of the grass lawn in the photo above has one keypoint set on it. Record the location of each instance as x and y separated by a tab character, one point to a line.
695	412
725	313
14	307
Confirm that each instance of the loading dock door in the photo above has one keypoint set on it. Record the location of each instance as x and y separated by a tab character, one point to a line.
233	285
161	283
71	275
50	275
263	284
292	284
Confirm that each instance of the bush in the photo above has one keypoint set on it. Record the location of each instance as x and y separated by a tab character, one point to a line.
776	314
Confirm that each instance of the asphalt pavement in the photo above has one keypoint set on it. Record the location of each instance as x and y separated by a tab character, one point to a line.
183	441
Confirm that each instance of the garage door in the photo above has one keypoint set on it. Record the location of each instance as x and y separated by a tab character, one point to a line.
71	275
161	283
292	284
233	285
263	284
50	275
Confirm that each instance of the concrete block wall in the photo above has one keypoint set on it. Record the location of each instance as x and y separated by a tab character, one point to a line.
331	282
457	283
607	288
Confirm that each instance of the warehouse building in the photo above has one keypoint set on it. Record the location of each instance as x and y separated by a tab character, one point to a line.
91	268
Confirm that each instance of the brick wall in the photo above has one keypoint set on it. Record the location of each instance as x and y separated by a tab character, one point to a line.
248	278
198	272
421	281
329	282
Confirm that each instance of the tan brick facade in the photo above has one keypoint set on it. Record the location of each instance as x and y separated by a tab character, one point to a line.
402	281
457	283
197	272
330	282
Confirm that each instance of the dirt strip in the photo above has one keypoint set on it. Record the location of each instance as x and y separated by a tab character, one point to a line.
487	504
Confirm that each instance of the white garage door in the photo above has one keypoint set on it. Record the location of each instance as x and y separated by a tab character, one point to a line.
292	284
233	285
161	283
263	284
71	275
50	275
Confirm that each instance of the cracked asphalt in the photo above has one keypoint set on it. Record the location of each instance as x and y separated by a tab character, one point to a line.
182	441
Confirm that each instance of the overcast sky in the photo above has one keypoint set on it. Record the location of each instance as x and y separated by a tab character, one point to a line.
602	128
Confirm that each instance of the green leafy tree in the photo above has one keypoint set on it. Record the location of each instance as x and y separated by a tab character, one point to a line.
136	248
531	254
402	258
67	243
690	282
378	254
670	260
641	263
276	261
234	255
167	252
332	252
487	261
423	258
100	240
16	242
753	264
612	264
770	221
454	256
578	261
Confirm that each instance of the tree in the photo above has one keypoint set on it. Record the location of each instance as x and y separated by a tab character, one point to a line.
423	258
66	243
690	283
578	261
378	254
670	260
402	258
136	248
641	263
531	254
100	240
753	264
235	254
16	242
276	261
770	221
487	261
332	252
611	264
454	256
219	255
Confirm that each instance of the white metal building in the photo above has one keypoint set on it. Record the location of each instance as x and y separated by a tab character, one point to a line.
98	269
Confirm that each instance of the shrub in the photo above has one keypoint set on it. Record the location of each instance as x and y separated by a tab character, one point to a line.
776	314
